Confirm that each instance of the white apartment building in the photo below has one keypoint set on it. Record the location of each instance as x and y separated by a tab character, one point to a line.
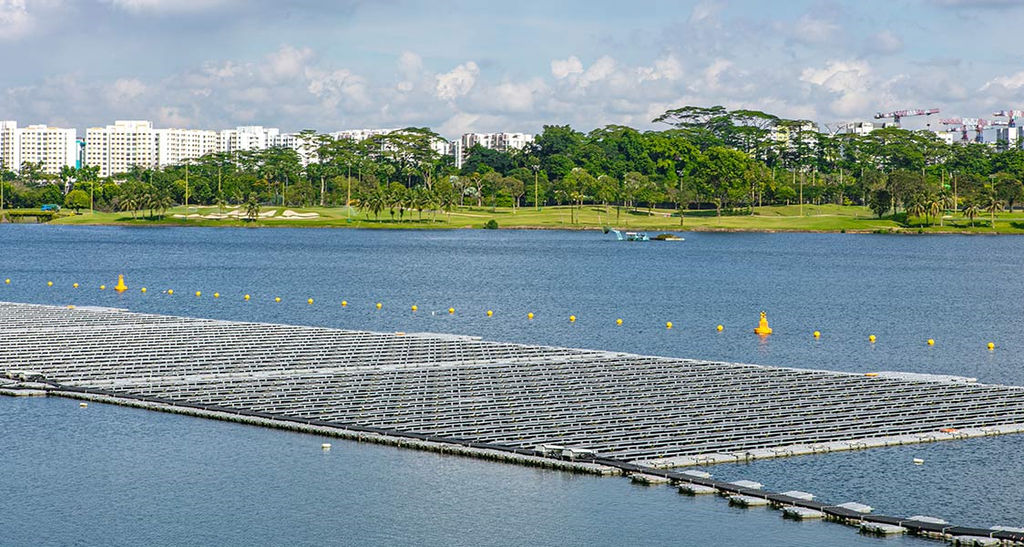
248	137
1009	135
502	142
858	128
10	152
360	135
119	147
52	147
174	146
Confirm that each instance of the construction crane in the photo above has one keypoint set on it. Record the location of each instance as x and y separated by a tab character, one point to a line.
1012	114
965	125
897	115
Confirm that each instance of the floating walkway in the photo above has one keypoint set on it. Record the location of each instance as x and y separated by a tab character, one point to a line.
581	409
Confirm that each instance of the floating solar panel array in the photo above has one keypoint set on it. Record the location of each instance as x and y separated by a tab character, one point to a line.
658	411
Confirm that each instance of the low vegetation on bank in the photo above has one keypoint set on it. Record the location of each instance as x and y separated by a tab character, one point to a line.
809	218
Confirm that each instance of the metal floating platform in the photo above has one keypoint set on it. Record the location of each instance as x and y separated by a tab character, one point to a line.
661	412
580	410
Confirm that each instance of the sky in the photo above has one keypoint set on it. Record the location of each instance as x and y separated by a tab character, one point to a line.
459	66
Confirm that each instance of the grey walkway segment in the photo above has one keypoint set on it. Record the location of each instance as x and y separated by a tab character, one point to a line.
651	410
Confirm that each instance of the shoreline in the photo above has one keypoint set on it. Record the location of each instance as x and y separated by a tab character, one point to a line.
527	227
767	219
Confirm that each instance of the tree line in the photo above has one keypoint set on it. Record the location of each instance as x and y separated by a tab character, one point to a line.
705	158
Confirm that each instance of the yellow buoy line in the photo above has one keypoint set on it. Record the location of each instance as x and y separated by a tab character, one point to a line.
763	329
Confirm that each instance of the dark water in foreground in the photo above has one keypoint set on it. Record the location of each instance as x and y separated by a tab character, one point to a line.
107	474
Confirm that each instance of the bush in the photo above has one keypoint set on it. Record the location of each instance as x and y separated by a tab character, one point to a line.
491	225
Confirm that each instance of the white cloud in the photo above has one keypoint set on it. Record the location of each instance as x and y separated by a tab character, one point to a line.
809	30
167	6
459	123
410	65
170	116
850	83
666	68
515	97
562	69
1014	81
458	82
332	87
126	89
15	20
837	75
601	69
885	42
286	63
704	11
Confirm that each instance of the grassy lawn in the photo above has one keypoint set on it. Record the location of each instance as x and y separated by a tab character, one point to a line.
827	218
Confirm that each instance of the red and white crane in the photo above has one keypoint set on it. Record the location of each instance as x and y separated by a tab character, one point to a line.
898	114
1012	114
965	125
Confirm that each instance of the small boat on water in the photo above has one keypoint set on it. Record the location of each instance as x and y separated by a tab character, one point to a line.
640	236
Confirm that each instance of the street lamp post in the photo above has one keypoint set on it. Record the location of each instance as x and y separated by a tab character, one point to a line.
536	201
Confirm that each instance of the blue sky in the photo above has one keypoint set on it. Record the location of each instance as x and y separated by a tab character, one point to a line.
460	66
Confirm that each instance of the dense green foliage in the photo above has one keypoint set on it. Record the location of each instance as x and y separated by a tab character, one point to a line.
707	158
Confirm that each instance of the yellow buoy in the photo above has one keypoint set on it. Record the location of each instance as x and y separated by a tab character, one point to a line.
142	290
618	321
199	293
49	283
170	291
7	281
719	328
277	299
103	287
572	318
451	311
75	285
414	307
490	313
344	303
380	305
668	325
309	301
762	327
991	346
871	338
120	287
246	297
931	342
216	295
817	334
529	315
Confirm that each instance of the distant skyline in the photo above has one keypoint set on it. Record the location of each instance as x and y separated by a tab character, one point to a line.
464	66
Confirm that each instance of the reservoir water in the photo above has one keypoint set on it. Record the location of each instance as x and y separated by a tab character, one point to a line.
114	475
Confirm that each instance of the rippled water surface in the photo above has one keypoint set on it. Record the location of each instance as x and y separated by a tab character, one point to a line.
204	482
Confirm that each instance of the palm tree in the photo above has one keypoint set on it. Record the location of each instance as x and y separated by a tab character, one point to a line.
972	211
252	208
935	206
421	200
163	202
916	209
993	205
377	201
447	202
129	202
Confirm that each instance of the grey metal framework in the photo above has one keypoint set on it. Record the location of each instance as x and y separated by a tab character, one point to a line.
623	406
